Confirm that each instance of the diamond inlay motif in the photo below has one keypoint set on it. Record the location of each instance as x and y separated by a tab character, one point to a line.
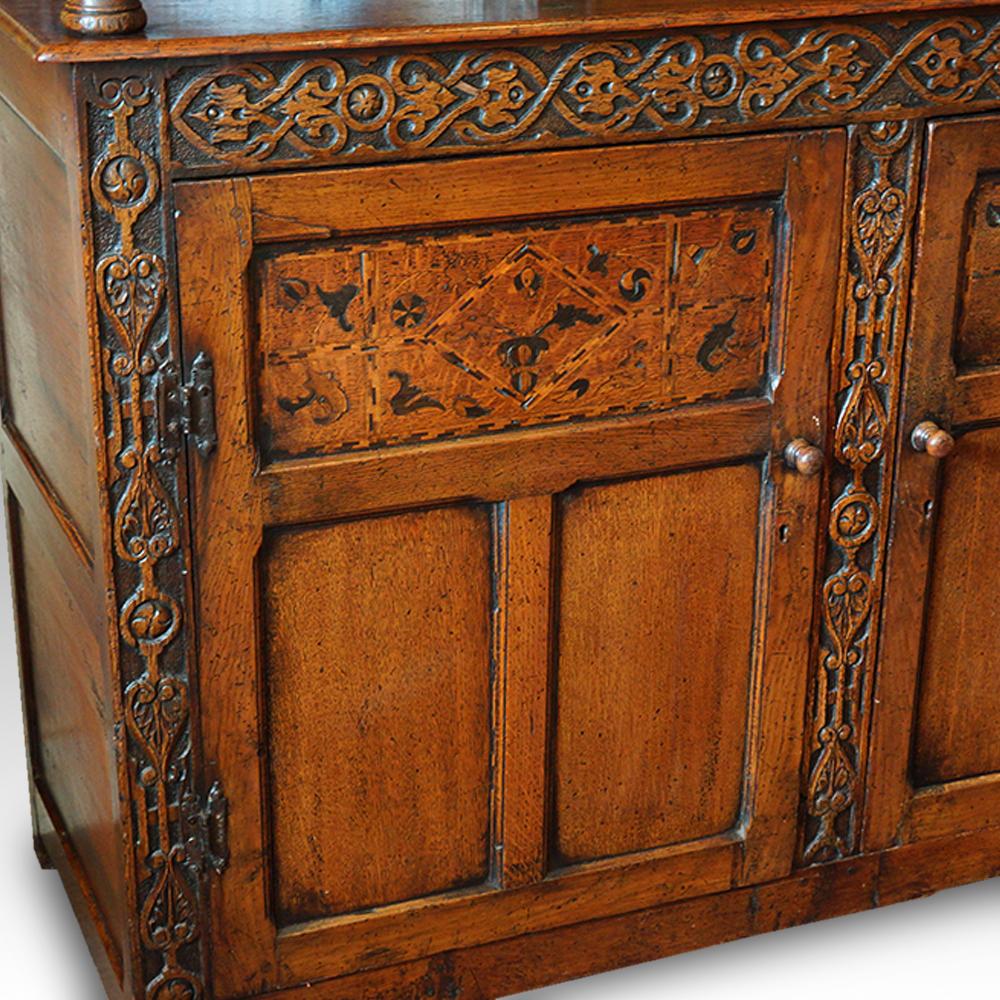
528	326
382	342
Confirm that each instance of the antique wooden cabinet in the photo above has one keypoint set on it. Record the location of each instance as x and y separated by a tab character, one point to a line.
502	491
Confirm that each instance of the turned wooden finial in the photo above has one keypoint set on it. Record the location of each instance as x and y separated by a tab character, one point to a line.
103	17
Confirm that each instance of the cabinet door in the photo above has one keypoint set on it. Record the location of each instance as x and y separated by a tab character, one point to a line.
504	599
936	741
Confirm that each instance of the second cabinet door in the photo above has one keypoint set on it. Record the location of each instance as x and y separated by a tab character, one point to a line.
935	769
504	590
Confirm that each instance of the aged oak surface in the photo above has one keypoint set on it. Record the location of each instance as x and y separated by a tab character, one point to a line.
189	27
500	495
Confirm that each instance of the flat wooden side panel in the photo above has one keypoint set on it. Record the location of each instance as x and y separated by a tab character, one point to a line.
40	94
377	655
69	705
958	716
47	390
655	621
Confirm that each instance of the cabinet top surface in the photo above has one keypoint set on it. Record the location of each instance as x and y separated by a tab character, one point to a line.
191	28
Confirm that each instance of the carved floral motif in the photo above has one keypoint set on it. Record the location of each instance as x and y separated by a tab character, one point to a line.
885	156
324	108
130	282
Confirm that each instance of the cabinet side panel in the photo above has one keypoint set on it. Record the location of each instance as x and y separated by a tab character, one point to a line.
69	704
47	388
654	655
958	720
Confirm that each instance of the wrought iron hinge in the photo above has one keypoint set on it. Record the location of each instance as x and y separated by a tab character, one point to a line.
208	831
187	409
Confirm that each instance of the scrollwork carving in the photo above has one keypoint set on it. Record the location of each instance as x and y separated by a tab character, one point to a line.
326	109
884	162
130	282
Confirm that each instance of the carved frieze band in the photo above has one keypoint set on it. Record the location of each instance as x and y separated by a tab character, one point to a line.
130	283
885	160
366	108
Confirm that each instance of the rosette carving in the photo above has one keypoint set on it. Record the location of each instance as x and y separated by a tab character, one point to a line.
884	163
355	107
130	282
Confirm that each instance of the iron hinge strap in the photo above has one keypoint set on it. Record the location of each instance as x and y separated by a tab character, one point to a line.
208	831
187	408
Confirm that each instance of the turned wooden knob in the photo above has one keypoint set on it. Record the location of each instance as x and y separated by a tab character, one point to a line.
804	458
103	17
936	441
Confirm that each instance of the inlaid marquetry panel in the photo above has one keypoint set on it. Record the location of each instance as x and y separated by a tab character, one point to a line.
380	343
977	342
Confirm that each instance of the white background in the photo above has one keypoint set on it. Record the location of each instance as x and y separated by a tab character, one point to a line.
946	947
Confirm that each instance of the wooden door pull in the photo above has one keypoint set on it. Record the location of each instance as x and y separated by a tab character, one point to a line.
934	440
803	457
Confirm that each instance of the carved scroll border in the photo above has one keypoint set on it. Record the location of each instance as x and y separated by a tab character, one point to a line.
365	108
144	491
883	192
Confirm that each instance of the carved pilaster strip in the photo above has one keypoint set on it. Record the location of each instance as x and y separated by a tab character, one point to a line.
145	488
878	229
364	108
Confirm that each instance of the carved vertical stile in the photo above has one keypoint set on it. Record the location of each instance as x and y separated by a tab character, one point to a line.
884	160
145	487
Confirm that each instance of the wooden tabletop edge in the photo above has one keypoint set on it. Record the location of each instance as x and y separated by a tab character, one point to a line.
170	42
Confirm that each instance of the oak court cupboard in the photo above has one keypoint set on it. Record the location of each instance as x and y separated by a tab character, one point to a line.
501	491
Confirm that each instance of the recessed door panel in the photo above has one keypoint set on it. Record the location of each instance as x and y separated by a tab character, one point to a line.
655	627
977	343
936	728
958	711
376	653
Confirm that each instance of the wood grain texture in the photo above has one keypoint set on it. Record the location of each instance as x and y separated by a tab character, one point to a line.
522	634
329	203
935	554
187	28
432	337
957	732
375	633
68	702
504	619
241	506
528	962
47	393
41	95
975	339
653	698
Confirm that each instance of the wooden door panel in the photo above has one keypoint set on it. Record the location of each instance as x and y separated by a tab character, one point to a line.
652	694
374	633
398	593
976	341
958	711
935	766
